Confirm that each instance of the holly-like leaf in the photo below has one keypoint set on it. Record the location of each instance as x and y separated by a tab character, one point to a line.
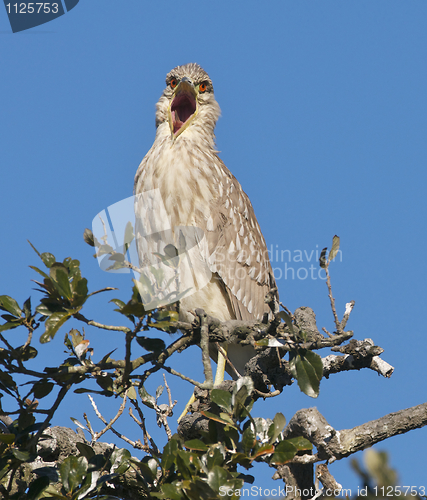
48	259
146	398
265	449
300	443
129	236
335	248
72	470
150	344
222	399
284	452
287	319
42	388
7	438
322	259
88	237
37	487
53	324
59	275
169	454
248	440
279	422
196	444
22	456
10	305
307	368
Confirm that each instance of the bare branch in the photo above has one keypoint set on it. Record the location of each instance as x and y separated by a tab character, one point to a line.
334	445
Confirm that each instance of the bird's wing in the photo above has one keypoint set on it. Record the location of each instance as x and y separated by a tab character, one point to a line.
238	252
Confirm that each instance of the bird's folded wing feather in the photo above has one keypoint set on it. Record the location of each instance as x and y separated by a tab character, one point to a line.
238	252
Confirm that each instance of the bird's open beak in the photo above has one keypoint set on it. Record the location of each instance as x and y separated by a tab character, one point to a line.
183	108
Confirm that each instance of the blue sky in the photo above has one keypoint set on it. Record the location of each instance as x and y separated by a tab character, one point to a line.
324	120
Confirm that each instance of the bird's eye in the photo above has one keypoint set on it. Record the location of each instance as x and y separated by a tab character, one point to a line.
203	86
173	83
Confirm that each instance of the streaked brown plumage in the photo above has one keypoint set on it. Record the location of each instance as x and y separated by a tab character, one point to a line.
197	190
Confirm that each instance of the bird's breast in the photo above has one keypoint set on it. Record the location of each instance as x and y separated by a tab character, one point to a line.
186	180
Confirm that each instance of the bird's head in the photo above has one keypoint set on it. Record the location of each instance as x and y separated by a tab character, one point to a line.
188	102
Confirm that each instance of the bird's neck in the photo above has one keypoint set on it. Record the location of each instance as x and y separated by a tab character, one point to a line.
183	171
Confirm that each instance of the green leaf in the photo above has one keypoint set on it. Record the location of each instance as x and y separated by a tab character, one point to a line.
129	236
265	449
159	391
88	237
169	454
10	305
72	470
169	492
42	388
222	399
248	440
85	450
27	308
279	422
119	303
217	477
59	275
7	381
22	456
287	319
48	259
79	424
322	259
131	393
196	444
9	326
37	487
26	353
37	270
53	324
150	344
7	438
215	456
300	443
221	420
335	247
307	368
120	459
80	289
284	452
146	398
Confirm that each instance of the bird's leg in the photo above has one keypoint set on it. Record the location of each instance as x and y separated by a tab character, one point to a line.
220	367
187	406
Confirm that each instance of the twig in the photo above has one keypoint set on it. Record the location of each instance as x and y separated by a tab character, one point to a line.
348	308
203	385
204	344
267	394
112	328
326	331
98	414
331	298
154	449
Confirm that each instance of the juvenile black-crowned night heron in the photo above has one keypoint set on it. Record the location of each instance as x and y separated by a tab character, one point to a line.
190	187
